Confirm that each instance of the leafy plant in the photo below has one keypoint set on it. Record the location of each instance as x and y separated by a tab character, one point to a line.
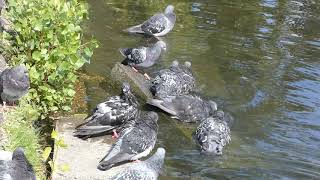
48	40
59	143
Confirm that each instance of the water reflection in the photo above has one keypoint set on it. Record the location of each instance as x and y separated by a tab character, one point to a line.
258	59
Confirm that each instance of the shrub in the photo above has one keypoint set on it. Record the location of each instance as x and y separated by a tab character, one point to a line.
49	41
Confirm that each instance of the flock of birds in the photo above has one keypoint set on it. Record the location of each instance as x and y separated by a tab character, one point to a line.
135	130
173	89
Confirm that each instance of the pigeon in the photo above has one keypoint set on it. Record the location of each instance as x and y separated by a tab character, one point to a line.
14	83
143	56
110	115
213	134
186	108
137	141
158	25
18	168
147	170
174	81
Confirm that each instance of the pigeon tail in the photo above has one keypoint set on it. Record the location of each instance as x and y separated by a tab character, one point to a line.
104	166
135	29
107	164
158	103
90	131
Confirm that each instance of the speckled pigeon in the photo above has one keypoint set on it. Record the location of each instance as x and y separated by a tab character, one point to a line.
18	168
146	170
137	141
14	83
186	108
213	134
143	56
176	80
158	25
110	115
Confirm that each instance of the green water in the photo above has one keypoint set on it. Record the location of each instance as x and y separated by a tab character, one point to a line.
259	60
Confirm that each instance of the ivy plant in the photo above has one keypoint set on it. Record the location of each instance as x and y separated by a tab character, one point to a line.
48	39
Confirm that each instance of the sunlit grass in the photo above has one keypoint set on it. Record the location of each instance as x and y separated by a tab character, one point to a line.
21	133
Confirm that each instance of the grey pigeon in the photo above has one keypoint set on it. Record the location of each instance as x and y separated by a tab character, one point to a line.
137	141
213	134
110	115
186	108
143	57
147	170
18	168
174	81
158	25
14	83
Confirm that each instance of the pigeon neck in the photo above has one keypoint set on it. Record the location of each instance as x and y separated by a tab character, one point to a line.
172	17
208	108
130	98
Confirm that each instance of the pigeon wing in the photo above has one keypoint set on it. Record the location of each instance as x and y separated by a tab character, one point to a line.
155	24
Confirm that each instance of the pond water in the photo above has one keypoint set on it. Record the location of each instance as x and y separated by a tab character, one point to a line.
260	60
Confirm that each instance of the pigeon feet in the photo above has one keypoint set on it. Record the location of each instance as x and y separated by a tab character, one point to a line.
115	135
135	70
147	76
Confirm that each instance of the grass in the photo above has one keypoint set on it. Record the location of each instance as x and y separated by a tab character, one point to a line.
20	131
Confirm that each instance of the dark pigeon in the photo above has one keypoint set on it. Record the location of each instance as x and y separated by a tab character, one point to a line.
158	25
137	141
147	170
18	168
143	57
110	115
186	108
213	134
14	83
174	81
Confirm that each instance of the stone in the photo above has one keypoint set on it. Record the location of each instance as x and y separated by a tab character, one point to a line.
5	155
137	81
81	156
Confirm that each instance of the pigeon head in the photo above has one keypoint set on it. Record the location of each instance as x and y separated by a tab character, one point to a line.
212	106
162	44
156	160
125	88
18	155
219	114
175	63
152	116
169	9
211	145
19	71
187	64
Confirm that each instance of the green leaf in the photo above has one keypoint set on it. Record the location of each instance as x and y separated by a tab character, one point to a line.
60	143
71	92
38	27
66	108
36	55
44	51
46	153
54	134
